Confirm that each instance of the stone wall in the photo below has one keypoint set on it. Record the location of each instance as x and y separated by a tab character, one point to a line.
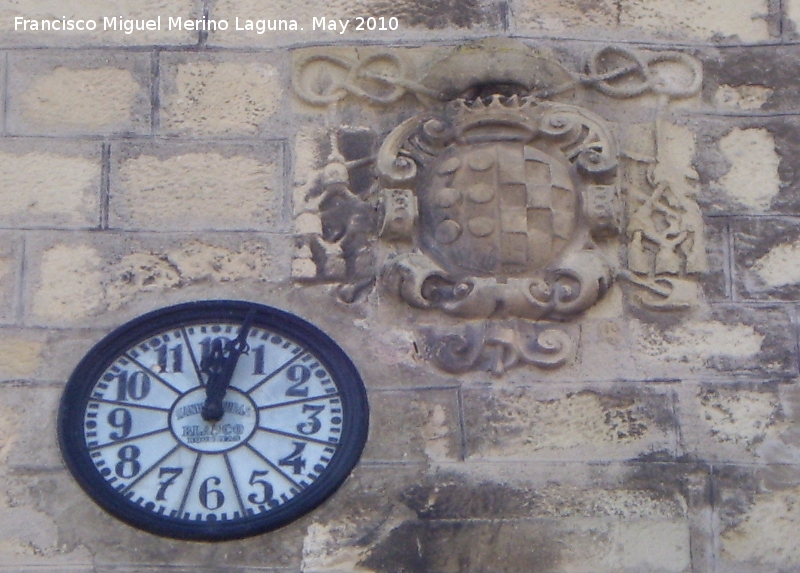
140	170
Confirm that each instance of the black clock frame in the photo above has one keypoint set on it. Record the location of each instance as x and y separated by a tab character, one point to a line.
355	424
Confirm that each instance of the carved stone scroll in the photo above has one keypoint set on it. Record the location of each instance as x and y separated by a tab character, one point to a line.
499	346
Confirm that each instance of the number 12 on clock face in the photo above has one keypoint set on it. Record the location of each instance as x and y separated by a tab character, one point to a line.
213	420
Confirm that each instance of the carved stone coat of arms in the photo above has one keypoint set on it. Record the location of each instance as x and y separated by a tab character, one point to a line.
490	206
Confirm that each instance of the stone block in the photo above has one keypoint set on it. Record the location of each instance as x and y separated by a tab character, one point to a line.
791	21
463	516
757	512
56	186
414	426
83	533
587	424
11	255
37	355
755	79
285	22
686	19
705	19
28	429
105	279
739	422
717	281
766	257
127	13
732	339
193	187
21	354
3	86
224	95
748	165
79	93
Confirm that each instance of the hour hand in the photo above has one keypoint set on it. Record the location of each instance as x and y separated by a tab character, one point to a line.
213	365
219	365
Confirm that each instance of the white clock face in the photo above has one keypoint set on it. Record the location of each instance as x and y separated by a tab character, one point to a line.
291	425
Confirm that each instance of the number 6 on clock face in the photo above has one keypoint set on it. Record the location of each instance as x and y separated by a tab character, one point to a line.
213	420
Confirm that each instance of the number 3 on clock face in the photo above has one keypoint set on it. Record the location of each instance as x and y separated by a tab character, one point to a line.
213	420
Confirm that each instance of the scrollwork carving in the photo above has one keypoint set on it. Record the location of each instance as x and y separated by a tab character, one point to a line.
497	347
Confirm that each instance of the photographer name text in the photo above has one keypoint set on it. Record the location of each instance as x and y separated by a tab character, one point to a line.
158	23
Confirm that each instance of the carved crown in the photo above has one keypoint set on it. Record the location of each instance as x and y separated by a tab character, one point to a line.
503	118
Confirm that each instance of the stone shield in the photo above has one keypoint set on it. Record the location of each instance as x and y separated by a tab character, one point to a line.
496	209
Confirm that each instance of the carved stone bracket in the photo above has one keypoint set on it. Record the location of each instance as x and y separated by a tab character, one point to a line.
497	346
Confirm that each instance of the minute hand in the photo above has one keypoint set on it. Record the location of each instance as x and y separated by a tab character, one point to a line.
220	377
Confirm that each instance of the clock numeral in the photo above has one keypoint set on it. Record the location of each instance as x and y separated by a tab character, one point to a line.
135	387
128	466
298	374
294	460
266	488
209	345
211	498
121	419
163	485
259	353
313	425
170	359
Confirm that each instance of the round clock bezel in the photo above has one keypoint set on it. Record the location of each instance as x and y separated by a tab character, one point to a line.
77	394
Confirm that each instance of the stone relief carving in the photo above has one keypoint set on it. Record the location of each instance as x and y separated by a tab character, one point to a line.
665	239
490	205
498	187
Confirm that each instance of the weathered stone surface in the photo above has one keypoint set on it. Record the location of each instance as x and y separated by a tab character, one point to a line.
4	82
451	521
88	93
93	279
758	515
53	186
600	465
757	79
742	422
766	257
21	354
11	255
196	187
62	527
414	18
792	20
414	426
228	95
29	419
733	339
531	423
706	19
717	282
32	354
747	165
96	10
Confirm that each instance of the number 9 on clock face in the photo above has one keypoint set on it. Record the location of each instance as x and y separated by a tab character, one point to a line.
213	420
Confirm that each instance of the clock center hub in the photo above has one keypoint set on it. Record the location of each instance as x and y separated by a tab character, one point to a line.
238	422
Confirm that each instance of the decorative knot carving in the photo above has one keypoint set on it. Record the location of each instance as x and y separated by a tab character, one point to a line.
383	78
623	73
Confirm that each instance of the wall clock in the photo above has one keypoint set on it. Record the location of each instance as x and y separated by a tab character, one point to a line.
213	420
